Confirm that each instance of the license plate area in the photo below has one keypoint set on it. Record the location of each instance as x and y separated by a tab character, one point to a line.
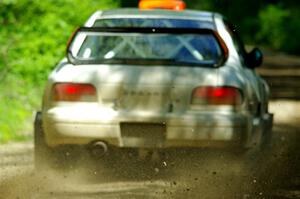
143	134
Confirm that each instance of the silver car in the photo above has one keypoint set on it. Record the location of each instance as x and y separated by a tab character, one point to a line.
153	80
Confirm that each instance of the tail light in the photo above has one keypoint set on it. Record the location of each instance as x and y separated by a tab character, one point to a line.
216	96
74	92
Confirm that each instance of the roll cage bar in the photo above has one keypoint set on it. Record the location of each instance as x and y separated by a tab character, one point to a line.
184	42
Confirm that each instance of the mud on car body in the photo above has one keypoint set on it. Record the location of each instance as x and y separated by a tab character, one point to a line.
154	79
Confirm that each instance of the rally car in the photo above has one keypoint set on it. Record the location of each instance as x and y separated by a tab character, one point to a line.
155	79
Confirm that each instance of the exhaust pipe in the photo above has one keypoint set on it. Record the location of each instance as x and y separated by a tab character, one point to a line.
98	149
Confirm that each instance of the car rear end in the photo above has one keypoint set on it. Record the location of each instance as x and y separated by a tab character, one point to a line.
152	87
147	114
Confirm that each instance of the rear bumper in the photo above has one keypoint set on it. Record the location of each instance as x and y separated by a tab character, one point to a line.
191	129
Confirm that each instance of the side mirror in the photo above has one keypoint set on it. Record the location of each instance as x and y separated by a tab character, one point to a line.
255	58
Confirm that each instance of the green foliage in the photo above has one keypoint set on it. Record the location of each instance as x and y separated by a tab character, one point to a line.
33	37
260	22
292	32
273	28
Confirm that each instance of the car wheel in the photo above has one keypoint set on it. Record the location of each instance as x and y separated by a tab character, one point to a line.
267	137
42	152
45	157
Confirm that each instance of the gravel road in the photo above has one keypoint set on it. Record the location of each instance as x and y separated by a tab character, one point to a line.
207	174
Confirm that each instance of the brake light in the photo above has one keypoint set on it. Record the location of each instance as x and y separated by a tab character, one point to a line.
216	96
162	4
74	92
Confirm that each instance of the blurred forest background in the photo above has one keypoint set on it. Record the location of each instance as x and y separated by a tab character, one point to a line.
34	33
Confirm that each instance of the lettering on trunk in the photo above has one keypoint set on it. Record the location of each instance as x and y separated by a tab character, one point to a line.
144	93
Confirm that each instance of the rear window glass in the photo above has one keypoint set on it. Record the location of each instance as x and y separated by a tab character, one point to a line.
146	48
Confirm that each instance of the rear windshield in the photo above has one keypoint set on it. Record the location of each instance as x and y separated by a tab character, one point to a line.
156	23
145	48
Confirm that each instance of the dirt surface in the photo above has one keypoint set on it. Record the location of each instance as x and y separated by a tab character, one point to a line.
204	174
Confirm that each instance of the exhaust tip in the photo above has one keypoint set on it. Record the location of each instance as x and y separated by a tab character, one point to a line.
98	149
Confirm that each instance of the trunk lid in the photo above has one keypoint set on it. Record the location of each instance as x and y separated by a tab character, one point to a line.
163	89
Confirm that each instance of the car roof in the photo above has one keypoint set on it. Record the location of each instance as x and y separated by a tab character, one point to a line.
155	13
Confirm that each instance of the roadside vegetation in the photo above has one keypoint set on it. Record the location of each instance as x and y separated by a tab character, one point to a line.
33	36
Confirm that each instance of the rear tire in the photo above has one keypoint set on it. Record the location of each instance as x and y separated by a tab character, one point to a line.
45	157
42	152
268	134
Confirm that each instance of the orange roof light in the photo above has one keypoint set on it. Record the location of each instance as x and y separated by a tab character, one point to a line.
162	4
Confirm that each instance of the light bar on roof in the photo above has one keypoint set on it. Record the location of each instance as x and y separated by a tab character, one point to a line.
162	4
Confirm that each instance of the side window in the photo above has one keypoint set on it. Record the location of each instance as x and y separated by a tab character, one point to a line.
238	43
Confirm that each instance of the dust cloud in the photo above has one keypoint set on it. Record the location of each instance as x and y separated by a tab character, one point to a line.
178	174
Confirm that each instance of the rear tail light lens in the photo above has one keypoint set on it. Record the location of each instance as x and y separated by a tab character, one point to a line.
216	96
74	92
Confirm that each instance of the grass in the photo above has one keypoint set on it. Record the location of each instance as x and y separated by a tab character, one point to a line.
18	102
